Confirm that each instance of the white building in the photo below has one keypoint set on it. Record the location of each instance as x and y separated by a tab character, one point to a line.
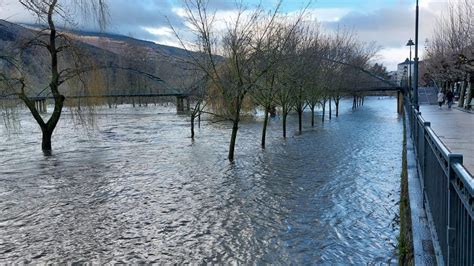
402	72
393	76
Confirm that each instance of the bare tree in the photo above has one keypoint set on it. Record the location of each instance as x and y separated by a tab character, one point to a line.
58	46
265	93
241	67
450	54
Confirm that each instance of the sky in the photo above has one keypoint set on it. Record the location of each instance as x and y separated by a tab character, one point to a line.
389	23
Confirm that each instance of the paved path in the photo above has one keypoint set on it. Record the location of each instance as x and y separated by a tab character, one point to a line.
455	129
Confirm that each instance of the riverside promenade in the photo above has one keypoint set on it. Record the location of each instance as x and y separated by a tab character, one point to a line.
428	180
454	128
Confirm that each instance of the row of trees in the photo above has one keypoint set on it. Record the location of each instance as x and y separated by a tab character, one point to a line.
255	59
268	60
450	54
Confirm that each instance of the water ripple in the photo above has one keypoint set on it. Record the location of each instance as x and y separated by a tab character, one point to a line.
138	189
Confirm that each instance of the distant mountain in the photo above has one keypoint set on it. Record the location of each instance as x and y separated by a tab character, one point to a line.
165	62
95	38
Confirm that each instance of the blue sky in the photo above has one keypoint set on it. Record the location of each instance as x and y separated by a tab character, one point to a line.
390	23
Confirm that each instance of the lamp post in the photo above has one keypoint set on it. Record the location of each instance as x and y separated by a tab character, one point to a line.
415	89
410	43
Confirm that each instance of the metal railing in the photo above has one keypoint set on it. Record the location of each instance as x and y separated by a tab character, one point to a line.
448	192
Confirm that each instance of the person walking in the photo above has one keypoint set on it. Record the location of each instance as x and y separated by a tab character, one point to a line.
450	98
440	98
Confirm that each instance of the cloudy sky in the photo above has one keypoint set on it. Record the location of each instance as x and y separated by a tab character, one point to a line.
390	23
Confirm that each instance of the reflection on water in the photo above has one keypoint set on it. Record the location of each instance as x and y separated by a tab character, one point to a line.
138	189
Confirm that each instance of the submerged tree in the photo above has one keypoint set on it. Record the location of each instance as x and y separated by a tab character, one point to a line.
242	62
60	48
256	59
265	93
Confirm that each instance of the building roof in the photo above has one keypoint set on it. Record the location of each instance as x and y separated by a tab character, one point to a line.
406	62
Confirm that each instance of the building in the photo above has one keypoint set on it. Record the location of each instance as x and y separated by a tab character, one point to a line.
403	69
393	76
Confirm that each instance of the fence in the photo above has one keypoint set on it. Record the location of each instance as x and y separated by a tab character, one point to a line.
448	192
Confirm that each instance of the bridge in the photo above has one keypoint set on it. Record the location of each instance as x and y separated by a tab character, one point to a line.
378	84
182	96
182	99
366	84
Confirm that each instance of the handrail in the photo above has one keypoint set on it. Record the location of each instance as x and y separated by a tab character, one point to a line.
448	191
439	144
465	177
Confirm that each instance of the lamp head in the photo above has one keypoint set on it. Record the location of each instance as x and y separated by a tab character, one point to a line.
410	43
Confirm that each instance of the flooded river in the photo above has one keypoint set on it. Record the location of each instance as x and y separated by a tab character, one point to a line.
138	189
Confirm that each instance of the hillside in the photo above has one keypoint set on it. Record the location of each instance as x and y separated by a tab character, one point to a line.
165	62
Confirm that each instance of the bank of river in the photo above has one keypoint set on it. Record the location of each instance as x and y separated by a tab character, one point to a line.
138	189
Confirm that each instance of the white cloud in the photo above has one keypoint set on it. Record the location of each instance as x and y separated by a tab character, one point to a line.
14	11
392	56
161	31
327	14
392	26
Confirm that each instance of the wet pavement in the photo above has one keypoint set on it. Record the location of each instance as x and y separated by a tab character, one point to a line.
455	129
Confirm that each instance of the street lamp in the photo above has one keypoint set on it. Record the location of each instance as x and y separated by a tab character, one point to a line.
410	43
415	89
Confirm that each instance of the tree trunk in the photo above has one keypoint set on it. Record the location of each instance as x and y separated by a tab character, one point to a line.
46	143
312	115
336	102
264	130
300	119
330	111
192	125
324	110
470	93
462	94
199	120
285	114
354	103
235	128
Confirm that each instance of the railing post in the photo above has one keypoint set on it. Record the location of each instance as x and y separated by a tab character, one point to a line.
412	124
425	125
422	154
416	115
452	212
44	106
